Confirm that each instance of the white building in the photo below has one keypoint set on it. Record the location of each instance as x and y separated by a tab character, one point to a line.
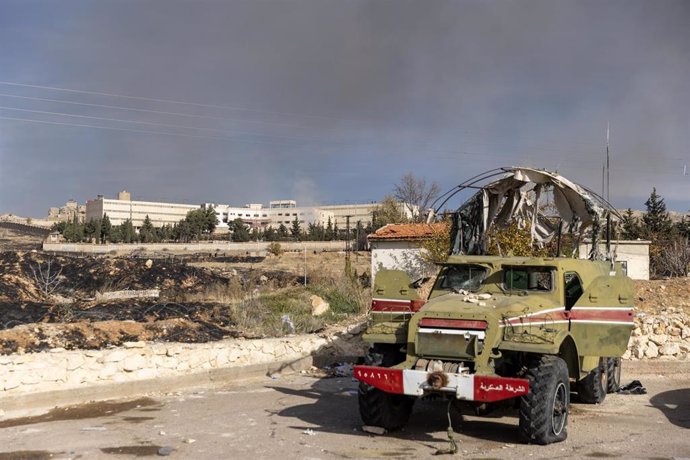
258	216
123	208
398	247
632	254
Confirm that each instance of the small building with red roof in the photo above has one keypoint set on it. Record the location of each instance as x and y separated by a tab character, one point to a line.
398	247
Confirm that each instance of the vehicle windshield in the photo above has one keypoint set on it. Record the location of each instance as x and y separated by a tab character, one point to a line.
462	277
528	278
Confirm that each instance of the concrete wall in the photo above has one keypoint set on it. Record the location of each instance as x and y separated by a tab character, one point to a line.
258	248
25	377
399	255
634	254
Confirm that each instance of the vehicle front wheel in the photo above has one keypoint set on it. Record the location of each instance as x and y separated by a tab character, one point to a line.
592	389
378	408
613	374
544	410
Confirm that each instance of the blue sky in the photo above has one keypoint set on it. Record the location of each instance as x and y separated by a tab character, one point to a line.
328	101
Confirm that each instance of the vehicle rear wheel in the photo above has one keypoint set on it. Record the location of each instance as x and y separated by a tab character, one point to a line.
376	407
544	410
613	374
592	389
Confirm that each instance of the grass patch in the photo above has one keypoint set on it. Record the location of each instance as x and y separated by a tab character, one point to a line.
289	310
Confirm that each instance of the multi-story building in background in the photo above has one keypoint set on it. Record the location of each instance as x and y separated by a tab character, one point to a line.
67	212
123	208
278	212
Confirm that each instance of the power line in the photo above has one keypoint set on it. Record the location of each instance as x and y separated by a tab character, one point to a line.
226	134
170	101
135	109
118	120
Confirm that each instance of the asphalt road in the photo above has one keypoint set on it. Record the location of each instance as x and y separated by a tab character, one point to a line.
305	417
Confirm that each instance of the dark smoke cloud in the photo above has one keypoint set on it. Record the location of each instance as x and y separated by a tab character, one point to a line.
335	101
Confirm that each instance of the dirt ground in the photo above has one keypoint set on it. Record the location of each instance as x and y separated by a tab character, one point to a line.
50	301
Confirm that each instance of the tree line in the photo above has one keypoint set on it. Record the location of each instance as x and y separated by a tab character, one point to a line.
669	251
197	225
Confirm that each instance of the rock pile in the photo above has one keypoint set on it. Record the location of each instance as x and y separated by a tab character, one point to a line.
664	335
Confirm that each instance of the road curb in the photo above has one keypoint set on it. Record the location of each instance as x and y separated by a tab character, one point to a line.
27	404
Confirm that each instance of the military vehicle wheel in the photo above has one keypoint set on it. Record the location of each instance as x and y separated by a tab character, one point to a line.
592	389
544	410
376	407
613	374
384	354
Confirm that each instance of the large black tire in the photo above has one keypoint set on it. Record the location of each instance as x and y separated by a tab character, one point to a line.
613	374
376	407
592	388
544	410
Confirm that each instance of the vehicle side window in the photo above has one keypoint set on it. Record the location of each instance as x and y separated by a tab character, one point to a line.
573	289
528	278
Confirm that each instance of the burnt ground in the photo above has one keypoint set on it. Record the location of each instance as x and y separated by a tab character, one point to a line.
59	308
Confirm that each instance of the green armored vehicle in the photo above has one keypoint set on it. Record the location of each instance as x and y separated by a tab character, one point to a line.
497	328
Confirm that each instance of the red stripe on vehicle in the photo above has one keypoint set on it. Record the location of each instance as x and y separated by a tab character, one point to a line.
391	305
491	389
453	323
417	304
388	380
552	316
613	314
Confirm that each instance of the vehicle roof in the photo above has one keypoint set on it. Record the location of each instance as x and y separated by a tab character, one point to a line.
563	262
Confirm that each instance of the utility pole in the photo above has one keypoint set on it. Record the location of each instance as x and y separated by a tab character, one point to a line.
348	247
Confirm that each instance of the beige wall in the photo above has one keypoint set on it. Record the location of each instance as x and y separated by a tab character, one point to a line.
634	254
399	255
119	210
254	248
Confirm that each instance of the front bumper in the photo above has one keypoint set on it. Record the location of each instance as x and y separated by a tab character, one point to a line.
468	387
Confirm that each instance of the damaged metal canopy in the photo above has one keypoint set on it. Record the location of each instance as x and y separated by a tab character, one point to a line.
538	199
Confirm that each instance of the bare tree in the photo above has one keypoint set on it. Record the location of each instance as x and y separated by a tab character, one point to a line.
674	258
47	278
415	195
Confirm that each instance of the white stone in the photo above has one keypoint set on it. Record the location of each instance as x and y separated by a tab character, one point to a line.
318	305
107	371
74	361
54	374
133	363
138	344
652	350
145	374
669	349
11	382
79	376
685	332
115	356
658	339
30	378
235	354
627	355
